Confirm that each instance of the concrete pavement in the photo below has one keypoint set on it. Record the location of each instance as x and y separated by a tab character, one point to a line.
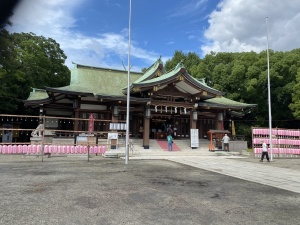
225	163
264	173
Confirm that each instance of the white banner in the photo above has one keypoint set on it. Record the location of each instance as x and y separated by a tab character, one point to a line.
194	138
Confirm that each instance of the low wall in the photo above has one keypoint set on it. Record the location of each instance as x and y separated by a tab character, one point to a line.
236	146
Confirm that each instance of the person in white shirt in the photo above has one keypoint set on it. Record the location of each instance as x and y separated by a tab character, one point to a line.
264	152
226	142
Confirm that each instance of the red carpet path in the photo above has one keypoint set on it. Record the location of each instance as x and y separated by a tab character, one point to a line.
164	145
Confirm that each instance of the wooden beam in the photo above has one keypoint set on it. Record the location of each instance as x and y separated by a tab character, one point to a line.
173	104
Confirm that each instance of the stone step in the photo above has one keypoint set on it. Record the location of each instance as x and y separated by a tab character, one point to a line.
155	149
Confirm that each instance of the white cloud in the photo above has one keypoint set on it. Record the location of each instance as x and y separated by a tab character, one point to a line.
55	19
170	43
189	8
44	16
240	25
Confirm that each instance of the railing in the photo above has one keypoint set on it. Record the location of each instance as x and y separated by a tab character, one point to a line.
51	149
16	129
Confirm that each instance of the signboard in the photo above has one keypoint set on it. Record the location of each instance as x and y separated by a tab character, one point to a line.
7	134
117	126
81	139
86	139
122	126
194	138
86	135
112	135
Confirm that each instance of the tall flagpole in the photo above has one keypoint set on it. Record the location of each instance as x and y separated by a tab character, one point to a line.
269	95
128	90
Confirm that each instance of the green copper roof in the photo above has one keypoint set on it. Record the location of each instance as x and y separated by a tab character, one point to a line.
174	72
150	71
222	101
37	94
162	77
101	81
203	83
111	82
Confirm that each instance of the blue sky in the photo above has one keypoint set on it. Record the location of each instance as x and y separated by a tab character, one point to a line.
95	32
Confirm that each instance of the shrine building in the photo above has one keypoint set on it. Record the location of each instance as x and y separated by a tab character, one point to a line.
159	100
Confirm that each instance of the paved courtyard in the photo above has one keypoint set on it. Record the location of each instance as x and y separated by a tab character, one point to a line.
71	190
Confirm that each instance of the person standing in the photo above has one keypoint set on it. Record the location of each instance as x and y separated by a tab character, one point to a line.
169	129
141	130
174	132
170	141
264	152
226	142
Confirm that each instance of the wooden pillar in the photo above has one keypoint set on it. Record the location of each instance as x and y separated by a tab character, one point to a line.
76	122
114	119
219	121
146	133
193	123
76	107
201	129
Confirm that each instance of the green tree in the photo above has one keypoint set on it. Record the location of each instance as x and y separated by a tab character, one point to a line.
178	57
295	105
244	78
28	61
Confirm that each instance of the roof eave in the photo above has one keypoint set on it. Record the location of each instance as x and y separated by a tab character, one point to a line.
36	102
55	90
122	98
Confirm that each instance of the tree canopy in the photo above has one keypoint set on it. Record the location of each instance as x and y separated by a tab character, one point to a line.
26	61
244	77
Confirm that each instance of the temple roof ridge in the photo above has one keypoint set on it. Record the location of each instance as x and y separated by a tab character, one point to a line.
158	61
150	71
202	80
102	68
163	76
179	65
37	89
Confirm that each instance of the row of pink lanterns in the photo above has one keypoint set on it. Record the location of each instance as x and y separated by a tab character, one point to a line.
51	149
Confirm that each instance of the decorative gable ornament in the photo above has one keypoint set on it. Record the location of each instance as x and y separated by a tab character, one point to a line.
180	77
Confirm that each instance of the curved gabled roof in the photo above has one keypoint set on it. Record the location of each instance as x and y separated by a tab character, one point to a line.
183	82
36	97
160	79
152	71
37	94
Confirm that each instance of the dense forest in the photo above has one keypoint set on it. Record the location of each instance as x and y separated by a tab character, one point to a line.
244	78
27	60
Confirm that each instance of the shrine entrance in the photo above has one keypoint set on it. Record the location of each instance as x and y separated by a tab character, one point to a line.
159	125
181	127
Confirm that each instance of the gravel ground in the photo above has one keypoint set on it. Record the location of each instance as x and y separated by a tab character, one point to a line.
71	190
